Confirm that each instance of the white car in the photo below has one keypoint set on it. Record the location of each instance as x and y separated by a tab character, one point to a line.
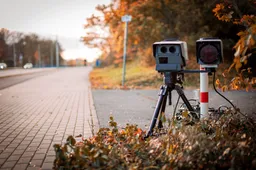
28	65
3	66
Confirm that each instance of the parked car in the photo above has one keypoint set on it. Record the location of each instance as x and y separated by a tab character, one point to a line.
28	65
3	66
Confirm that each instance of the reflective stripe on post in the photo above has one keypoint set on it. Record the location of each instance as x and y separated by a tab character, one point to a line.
204	97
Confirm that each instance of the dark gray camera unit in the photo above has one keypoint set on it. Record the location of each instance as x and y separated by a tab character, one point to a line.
209	52
170	55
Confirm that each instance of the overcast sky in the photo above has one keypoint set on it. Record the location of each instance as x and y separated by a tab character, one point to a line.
64	18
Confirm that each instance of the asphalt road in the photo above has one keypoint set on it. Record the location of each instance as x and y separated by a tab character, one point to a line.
11	79
20	71
137	106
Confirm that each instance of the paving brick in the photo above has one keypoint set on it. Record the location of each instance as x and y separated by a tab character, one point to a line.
14	145
20	137
25	142
48	137
39	136
34	119
20	167
46	141
22	147
34	144
29	138
32	149
5	143
49	159
58	138
2	161
33	168
23	134
14	158
9	164
44	146
47	166
4	134
18	152
24	160
51	153
36	162
18	140
2	147
28	154
37	140
39	156
4	155
42	151
6	168
12	136
9	139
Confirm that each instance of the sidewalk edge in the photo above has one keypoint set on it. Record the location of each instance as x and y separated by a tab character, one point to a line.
95	125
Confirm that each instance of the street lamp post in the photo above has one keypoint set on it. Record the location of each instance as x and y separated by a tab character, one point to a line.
39	55
51	54
24	44
126	19
14	55
57	53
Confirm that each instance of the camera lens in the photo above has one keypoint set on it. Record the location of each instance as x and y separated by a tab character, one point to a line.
163	49
172	49
209	54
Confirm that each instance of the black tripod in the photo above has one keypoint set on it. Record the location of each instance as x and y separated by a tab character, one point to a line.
171	80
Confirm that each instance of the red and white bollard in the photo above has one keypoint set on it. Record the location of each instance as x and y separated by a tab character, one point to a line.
204	97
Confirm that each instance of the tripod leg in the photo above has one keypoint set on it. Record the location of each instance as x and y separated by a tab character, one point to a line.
162	95
184	98
160	123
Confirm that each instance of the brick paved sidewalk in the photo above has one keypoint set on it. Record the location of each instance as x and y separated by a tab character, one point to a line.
41	112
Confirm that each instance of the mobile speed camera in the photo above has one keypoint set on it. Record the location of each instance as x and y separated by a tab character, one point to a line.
170	55
209	52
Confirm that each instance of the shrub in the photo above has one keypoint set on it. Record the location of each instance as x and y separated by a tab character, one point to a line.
225	143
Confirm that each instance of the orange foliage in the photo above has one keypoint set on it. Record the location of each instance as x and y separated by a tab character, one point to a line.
243	47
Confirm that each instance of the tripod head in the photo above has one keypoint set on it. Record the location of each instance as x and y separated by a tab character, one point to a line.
172	78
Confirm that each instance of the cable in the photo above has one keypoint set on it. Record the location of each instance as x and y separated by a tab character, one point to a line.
237	110
220	93
221	107
194	100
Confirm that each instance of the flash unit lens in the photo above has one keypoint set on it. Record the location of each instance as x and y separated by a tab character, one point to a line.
172	49
163	49
209	54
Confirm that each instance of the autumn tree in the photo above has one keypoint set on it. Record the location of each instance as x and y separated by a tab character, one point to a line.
26	45
242	14
3	45
151	21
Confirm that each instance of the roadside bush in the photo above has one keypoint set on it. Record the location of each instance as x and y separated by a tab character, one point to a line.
228	142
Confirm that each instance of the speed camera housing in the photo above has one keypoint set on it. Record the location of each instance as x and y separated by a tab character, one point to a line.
209	52
170	55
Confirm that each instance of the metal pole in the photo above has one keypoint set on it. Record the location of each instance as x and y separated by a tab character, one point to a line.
57	53
124	56
39	56
204	97
51	54
14	56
